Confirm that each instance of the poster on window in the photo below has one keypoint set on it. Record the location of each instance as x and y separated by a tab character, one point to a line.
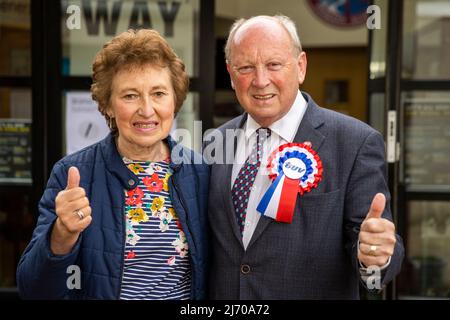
84	123
15	151
427	143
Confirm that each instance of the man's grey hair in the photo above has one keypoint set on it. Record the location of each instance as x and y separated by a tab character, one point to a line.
284	21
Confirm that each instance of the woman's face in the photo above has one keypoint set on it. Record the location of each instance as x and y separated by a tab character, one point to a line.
143	105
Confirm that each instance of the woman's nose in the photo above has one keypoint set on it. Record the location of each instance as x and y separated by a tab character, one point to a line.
146	109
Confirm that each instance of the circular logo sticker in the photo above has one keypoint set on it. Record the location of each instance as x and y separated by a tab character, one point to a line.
342	13
294	168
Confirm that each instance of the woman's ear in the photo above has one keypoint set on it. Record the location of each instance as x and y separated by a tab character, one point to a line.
110	112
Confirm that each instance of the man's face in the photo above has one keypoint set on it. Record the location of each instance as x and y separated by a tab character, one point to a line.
264	70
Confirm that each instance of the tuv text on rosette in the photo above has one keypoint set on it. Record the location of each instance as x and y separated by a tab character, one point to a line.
293	168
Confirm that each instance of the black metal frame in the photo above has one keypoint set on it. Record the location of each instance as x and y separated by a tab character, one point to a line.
17	82
46	79
433	85
205	84
392	98
39	110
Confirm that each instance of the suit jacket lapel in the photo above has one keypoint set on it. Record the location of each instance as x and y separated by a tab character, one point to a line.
307	131
229	207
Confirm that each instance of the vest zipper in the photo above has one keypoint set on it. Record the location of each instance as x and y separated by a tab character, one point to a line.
180	195
123	246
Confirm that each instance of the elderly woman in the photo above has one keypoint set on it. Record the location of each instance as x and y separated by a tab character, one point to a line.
121	219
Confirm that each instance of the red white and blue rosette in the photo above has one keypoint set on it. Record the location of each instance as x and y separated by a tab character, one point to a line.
293	168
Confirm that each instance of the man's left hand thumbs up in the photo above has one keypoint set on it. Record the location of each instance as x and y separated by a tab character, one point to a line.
377	206
377	235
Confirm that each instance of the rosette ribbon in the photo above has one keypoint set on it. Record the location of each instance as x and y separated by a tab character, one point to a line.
293	168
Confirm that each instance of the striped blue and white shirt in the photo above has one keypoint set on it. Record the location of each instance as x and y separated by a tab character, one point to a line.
156	257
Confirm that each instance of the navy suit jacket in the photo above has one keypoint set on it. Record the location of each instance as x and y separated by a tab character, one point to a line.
314	257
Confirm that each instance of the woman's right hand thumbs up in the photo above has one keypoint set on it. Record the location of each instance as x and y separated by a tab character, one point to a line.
74	214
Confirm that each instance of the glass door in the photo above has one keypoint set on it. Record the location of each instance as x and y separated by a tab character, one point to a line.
425	137
16	220
409	99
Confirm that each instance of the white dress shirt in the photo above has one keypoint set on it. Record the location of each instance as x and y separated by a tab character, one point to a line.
283	131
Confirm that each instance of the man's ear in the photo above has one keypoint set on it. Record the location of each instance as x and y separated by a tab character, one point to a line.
302	63
229	72
228	67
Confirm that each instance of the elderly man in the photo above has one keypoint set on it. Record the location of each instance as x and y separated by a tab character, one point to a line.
302	212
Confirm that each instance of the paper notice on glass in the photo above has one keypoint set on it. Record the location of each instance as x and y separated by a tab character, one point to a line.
84	123
15	151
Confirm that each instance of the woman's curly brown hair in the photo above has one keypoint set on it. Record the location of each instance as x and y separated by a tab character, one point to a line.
135	48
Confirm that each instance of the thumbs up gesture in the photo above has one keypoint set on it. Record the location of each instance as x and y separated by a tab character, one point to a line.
377	235
74	214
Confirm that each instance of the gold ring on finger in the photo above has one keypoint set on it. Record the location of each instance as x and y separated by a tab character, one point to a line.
80	214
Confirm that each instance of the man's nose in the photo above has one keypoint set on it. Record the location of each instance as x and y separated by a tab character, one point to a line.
261	77
146	109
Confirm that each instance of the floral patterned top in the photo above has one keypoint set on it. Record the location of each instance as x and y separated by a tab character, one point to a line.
156	257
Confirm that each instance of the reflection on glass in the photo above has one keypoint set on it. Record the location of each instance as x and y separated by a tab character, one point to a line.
377	111
87	25
84	124
426	39
427	140
15	53
16	222
186	128
16	225
379	39
226	107
426	269
15	136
